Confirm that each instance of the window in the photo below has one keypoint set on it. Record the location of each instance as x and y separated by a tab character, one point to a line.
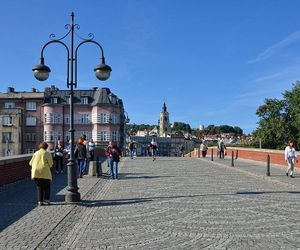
7	120
103	118
85	100
29	151
53	118
54	100
114	135
67	119
84	118
52	136
6	136
112	98
9	105
68	99
49	118
114	119
30	121
30	105
30	137
103	136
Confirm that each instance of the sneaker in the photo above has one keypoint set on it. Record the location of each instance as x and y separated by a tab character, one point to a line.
40	203
287	174
46	202
292	176
56	172
61	171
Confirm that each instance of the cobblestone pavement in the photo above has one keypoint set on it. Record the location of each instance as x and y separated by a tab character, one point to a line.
171	203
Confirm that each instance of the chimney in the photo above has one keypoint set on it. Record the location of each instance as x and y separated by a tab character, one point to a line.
10	90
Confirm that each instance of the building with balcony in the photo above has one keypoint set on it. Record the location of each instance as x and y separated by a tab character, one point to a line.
31	117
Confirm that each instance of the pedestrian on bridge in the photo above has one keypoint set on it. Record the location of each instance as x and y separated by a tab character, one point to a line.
41	164
290	156
221	149
153	146
59	157
113	154
80	154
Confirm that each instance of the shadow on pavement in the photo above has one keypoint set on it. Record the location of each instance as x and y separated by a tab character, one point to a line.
20	198
103	203
268	192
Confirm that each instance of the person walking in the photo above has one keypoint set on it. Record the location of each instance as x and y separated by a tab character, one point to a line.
221	149
59	157
91	146
131	149
81	156
113	154
41	164
290	156
153	146
203	149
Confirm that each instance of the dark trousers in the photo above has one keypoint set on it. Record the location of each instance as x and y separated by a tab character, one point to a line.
222	153
92	155
43	188
59	163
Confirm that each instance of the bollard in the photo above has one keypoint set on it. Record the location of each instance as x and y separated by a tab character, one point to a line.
198	152
236	154
212	155
98	168
268	165
232	158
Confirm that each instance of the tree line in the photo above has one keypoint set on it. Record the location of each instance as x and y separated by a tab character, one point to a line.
182	128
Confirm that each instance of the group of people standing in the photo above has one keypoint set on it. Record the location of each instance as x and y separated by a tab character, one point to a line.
42	161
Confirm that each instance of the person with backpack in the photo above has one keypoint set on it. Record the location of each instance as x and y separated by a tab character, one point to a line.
113	154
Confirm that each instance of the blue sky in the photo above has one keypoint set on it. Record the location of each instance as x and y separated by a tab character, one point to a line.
212	62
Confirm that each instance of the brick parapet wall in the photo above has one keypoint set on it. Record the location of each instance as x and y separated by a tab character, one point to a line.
14	168
276	156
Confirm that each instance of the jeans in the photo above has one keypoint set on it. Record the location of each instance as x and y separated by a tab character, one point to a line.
131	153
154	152
43	188
114	169
109	164
59	163
81	163
86	166
92	155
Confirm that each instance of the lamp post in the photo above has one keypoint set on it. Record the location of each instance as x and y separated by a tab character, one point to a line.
41	73
126	120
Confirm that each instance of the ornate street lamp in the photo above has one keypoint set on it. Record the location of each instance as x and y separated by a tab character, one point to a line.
41	72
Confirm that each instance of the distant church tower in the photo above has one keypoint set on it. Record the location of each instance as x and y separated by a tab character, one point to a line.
164	122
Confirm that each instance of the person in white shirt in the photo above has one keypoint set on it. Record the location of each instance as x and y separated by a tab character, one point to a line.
290	156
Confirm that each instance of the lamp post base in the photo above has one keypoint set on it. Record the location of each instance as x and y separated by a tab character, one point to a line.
72	197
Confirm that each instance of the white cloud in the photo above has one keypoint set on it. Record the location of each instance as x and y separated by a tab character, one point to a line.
269	52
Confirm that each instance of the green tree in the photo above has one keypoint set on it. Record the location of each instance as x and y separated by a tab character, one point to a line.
272	125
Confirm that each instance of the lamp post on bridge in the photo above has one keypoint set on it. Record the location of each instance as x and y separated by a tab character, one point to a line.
41	73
